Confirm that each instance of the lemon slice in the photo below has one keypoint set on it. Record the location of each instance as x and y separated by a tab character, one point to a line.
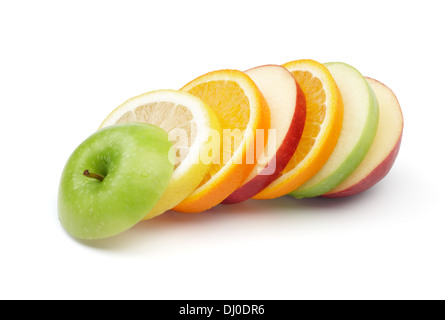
190	124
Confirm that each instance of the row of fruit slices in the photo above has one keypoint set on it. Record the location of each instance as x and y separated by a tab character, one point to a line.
331	132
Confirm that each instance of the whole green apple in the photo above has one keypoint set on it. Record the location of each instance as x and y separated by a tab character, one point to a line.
113	179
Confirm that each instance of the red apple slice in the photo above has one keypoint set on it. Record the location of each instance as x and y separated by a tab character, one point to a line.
384	150
287	106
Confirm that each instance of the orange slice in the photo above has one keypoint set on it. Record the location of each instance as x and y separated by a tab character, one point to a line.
324	118
241	110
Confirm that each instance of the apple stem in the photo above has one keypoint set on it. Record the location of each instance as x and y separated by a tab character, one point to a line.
97	176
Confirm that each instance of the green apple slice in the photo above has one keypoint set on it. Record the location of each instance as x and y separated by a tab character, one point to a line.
360	121
113	179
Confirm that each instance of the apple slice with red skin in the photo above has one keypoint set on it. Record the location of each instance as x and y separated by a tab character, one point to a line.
287	106
384	150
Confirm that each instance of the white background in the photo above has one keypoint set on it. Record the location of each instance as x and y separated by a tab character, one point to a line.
65	65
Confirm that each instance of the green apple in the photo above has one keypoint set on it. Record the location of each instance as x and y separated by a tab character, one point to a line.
113	179
360	121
